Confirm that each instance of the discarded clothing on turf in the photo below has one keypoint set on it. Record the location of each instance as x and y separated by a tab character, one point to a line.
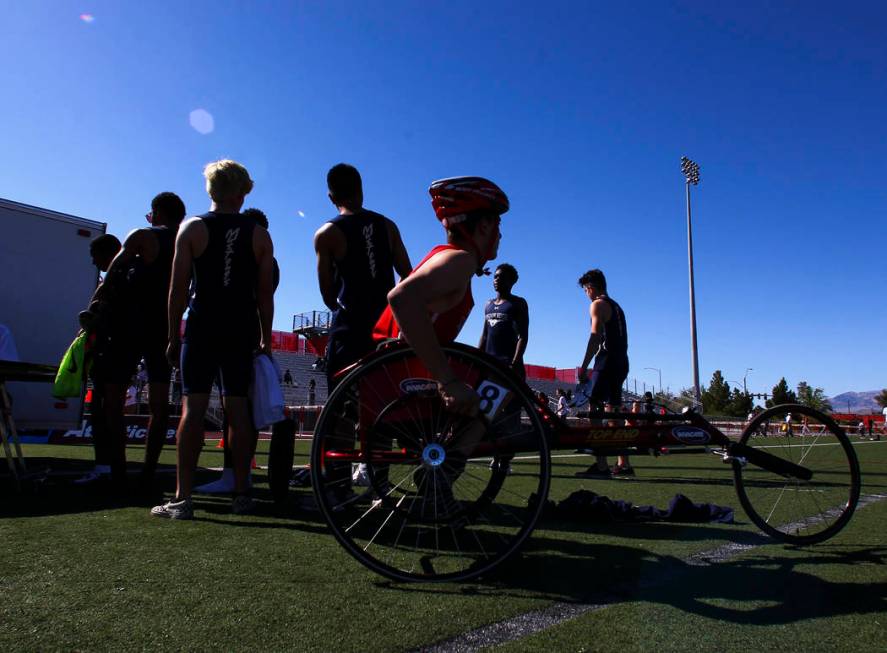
586	505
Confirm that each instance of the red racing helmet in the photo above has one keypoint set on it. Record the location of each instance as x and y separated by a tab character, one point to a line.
454	198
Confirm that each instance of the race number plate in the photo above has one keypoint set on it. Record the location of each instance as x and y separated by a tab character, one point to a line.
492	398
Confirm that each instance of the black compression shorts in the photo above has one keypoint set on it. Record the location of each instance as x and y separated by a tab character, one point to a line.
606	383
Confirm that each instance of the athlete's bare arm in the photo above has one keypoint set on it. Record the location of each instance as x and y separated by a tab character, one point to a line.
330	246
436	287
263	248
398	252
191	240
140	242
482	343
523	332
600	313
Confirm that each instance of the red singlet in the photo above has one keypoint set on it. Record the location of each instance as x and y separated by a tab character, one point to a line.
446	325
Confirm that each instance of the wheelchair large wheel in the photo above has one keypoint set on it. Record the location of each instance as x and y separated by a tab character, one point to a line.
416	493
804	485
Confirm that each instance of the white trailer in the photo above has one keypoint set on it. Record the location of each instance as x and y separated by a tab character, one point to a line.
46	279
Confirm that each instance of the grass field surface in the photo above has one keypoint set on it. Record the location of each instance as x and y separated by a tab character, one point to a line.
83	572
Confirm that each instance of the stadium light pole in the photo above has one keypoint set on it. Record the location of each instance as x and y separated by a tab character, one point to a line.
691	174
656	369
744	376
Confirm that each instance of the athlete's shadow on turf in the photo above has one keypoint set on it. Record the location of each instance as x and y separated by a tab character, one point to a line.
759	590
770	591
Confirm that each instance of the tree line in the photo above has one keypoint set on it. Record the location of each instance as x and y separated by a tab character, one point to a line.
718	398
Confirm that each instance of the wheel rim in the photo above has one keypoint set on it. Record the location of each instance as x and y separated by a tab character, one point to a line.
439	504
792	509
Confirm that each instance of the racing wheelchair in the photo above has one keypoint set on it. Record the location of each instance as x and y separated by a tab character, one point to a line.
439	501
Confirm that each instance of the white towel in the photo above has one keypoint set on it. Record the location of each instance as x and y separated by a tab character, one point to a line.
265	394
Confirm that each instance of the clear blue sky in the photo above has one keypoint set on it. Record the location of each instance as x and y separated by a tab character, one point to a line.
580	111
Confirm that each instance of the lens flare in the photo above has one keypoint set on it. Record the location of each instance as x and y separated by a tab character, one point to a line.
301	214
87	18
202	121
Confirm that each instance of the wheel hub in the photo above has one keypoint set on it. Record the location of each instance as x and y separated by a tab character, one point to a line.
433	455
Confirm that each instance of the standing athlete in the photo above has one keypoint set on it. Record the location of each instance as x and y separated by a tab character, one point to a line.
506	327
230	259
506	322
357	254
135	289
608	345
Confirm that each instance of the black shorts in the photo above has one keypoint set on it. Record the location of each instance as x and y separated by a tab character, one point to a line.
205	360
343	349
606	383
116	357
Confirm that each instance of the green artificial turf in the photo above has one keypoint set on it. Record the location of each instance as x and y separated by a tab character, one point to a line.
81	572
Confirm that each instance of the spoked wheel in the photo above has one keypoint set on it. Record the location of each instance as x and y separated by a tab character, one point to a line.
796	474
439	499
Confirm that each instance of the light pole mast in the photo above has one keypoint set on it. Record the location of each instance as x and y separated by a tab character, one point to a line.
656	369
744	376
691	173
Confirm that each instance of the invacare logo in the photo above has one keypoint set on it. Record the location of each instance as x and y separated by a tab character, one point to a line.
690	435
418	386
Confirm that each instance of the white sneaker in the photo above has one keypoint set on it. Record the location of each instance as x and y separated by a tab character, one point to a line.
223	485
181	509
94	475
360	477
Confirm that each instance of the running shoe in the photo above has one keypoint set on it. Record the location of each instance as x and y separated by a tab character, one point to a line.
360	477
301	478
595	472
181	509
224	484
620	470
242	505
90	477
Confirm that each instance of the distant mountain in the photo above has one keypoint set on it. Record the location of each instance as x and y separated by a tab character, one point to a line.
858	402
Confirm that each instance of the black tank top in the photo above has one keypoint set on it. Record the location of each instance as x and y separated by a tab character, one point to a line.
158	273
364	277
148	290
225	277
615	346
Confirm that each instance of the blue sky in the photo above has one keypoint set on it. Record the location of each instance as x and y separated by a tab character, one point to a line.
580	111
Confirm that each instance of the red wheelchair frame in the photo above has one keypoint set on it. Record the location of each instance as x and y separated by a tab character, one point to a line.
440	503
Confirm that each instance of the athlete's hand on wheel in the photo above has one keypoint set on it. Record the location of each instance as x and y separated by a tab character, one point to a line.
459	398
173	351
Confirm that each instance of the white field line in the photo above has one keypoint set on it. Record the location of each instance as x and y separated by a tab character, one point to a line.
561	612
767	446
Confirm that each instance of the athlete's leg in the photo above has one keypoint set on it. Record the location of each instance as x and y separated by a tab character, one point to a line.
199	367
235	373
99	427
115	432
189	441
242	436
158	423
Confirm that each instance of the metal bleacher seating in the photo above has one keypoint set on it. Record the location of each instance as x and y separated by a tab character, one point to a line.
299	364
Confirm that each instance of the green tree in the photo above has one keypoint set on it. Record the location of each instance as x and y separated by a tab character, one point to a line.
741	404
881	398
782	394
686	397
716	397
813	397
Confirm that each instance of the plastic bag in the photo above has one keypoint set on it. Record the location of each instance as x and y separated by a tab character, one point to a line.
265	394
72	370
